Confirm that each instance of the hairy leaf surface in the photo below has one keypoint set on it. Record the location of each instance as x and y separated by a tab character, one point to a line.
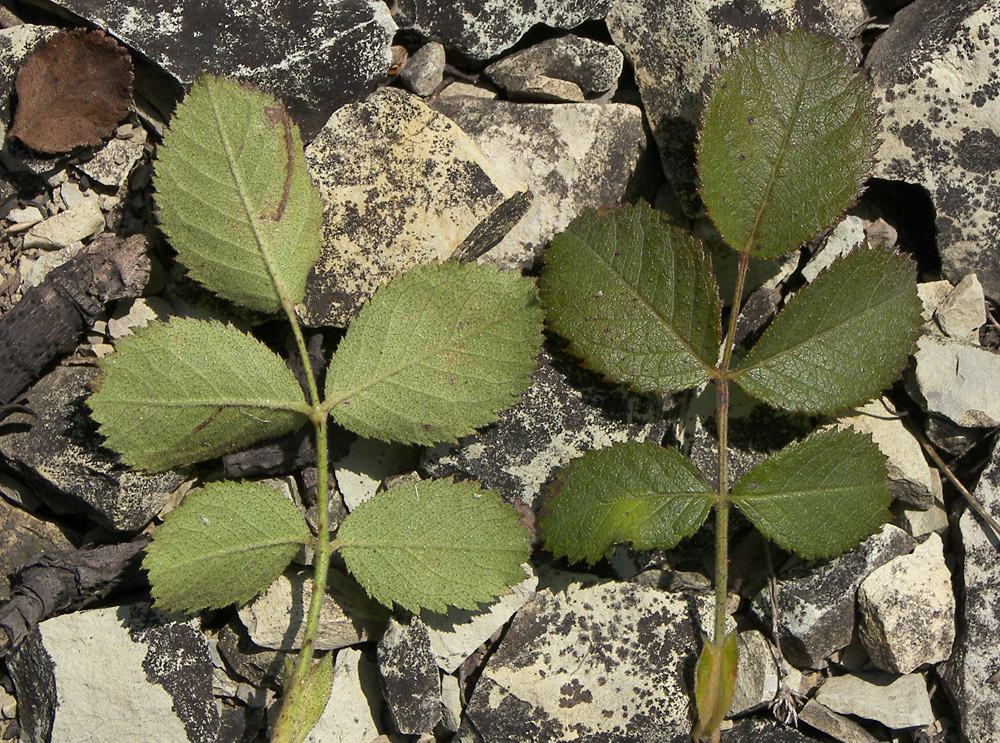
189	390
435	544
436	353
842	339
234	195
304	703
788	137
820	496
223	545
632	492
635	297
714	683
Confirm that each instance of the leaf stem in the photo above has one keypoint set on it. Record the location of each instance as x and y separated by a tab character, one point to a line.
722	514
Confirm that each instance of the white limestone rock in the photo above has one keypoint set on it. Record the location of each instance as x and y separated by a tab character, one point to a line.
898	702
360	473
66	227
757	674
402	185
958	381
907	610
844	238
963	311
355	705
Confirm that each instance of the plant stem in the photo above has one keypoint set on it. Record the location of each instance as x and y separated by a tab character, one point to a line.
722	513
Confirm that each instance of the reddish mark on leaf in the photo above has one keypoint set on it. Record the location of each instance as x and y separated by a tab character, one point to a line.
201	426
276	113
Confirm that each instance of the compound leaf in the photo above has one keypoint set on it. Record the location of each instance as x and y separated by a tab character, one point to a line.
223	545
234	195
632	492
189	390
787	140
842	339
635	298
820	496
436	353
435	544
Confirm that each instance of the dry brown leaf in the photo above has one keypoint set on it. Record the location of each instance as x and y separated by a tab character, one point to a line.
72	92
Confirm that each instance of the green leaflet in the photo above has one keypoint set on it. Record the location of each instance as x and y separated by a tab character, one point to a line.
436	353
189	390
223	545
714	683
435	544
632	492
842	339
787	140
234	195
635	297
304	703
820	496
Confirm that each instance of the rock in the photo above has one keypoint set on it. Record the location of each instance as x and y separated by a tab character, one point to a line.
764	731
59	454
402	185
935	70
907	610
27	215
275	618
921	523
112	164
66	227
591	66
602	662
757	675
566	412
672	64
836	726
410	678
465	90
355	702
932	294
910	478
424	71
370	461
451	703
481	30
963	311
25	537
970	675
49	261
316	55
898	702
816	602
261	668
847	235
16	43
456	635
571	156
113	674
954	380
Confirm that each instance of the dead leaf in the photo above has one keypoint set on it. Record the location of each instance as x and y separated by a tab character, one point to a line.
72	92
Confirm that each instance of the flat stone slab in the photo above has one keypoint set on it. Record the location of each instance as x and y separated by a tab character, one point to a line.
402	185
898	702
937	74
958	381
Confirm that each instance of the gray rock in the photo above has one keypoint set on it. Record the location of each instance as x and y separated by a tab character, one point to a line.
66	227
402	185
898	702
316	55
970	675
936	70
275	619
360	473
46	263
921	523
672	63
836	726
757	674
355	703
482	29
932	294
910	477
754	730
566	412
816	602
601	662
907	609
593	67
963	311
113	674
58	453
572	157
424	71
956	381
410	677
451	703
113	163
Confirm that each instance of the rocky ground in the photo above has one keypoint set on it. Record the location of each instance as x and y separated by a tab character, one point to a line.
479	130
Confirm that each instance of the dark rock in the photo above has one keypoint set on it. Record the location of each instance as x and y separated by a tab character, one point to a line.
481	30
816	601
971	675
411	681
25	537
424	71
837	726
119	673
571	156
402	185
755	730
591	66
316	55
673	63
566	412
936	68
259	666
57	451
